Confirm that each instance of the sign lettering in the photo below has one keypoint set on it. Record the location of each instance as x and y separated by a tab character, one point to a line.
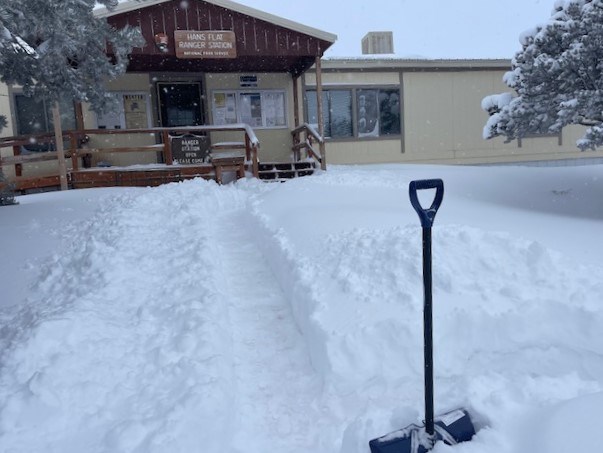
190	149
205	44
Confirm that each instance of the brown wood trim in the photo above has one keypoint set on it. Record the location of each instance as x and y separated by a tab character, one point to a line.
247	148
73	151
18	166
79	116
133	149
39	182
296	101
167	148
108	177
28	158
232	145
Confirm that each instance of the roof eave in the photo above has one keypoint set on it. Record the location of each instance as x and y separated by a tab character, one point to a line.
133	5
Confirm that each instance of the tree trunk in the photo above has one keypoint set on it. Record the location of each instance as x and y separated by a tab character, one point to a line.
58	137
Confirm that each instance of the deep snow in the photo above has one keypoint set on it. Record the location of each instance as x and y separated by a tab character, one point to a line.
260	317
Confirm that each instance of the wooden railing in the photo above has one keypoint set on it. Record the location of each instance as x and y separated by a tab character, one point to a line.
304	137
18	159
78	148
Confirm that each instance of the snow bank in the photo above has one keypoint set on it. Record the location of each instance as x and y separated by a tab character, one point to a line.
161	327
122	345
503	343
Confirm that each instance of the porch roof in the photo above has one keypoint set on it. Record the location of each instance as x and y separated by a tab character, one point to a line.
264	42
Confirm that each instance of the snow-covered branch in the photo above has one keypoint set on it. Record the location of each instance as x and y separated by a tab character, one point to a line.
557	77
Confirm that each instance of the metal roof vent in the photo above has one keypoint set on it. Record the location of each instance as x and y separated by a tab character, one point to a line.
378	42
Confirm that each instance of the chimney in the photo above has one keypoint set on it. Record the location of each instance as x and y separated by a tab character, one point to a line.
378	42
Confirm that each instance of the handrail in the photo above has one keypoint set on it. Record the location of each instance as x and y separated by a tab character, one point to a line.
305	127
305	143
78	137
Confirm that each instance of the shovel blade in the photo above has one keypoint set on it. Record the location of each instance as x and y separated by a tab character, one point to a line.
452	428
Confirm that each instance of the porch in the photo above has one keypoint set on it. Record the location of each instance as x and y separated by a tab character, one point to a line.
199	157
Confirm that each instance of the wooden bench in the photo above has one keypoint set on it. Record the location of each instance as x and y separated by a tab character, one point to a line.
228	156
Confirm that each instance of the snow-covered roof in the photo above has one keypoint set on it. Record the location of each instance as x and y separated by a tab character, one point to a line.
392	61
132	5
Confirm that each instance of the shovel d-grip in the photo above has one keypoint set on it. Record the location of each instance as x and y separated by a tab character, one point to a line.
427	216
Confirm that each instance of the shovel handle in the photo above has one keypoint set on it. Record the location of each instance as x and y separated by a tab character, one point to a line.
426	215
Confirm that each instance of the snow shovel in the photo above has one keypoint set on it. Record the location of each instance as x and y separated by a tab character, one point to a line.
455	426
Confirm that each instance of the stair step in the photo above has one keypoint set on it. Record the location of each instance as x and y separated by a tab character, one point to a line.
275	175
286	165
304	165
283	171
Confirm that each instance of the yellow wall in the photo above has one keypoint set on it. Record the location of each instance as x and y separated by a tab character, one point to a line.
126	83
5	110
442	122
275	143
9	171
355	78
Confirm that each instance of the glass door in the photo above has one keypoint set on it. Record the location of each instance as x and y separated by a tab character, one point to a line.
180	104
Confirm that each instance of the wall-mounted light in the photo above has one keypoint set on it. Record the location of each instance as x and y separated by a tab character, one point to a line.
161	41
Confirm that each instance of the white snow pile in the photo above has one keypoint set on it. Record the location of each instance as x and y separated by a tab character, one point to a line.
260	317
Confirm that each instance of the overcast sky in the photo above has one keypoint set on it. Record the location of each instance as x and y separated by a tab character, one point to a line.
425	28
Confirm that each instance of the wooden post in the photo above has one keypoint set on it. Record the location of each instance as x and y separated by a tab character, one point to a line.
73	149
79	116
295	101
247	147
167	148
18	167
75	138
58	138
296	139
255	163
321	128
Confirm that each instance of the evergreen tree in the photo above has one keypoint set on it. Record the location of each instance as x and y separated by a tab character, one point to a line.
7	197
55	49
557	78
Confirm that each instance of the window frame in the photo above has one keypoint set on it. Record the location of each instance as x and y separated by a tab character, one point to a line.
326	111
48	121
239	93
122	110
354	91
48	128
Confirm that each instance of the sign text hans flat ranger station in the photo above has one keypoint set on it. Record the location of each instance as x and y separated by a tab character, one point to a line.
205	44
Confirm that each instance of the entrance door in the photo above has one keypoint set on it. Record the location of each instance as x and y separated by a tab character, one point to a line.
180	104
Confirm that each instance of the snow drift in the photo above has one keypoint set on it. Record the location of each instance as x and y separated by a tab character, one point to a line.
249	317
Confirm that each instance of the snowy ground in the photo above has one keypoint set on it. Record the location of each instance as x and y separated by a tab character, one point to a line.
287	317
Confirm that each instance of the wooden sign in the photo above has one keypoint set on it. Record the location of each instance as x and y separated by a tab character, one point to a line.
190	149
205	44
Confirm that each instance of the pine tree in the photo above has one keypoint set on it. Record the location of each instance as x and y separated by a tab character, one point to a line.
56	49
7	196
557	78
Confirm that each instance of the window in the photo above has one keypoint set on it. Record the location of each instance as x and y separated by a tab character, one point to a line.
251	109
34	116
225	108
368	113
256	108
132	113
337	112
389	112
376	114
